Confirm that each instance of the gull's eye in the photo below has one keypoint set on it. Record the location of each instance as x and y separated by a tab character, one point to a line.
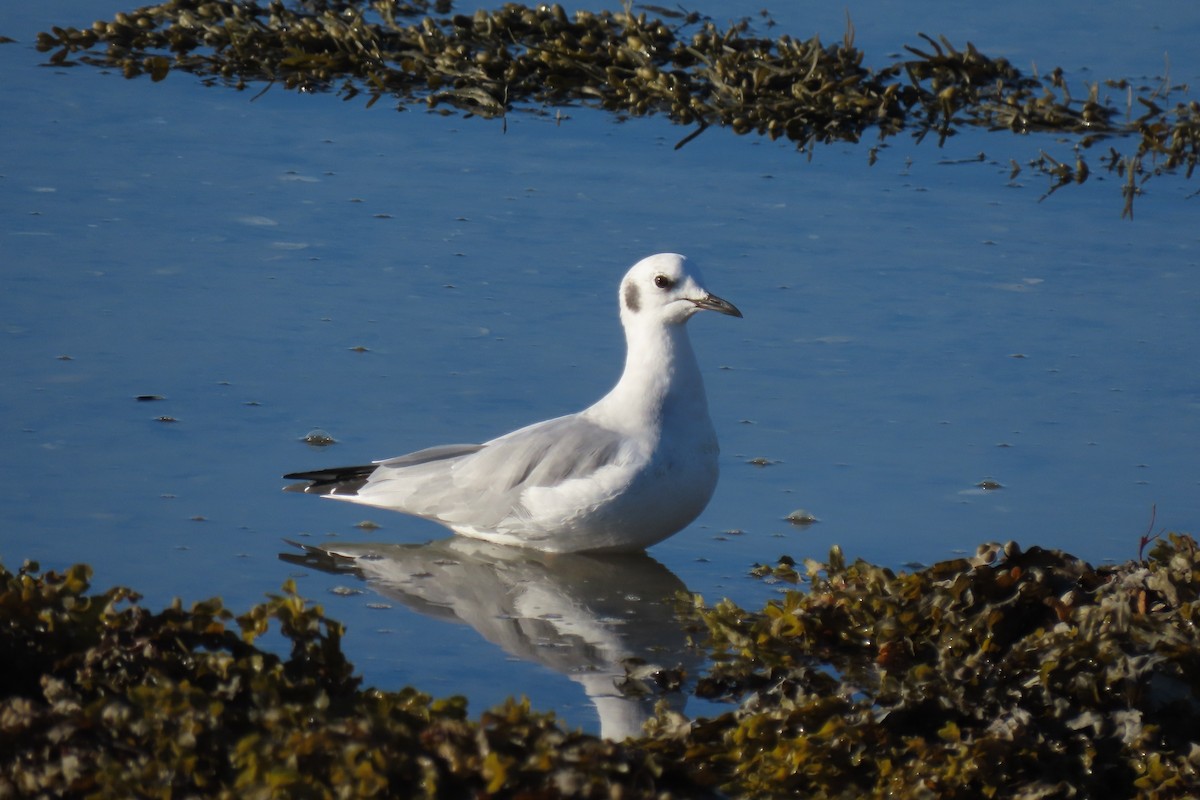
663	282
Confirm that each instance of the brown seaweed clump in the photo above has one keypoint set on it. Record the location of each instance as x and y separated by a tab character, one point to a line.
676	64
1011	674
1017	673
102	698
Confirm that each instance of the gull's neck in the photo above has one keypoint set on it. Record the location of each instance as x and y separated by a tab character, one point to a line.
661	382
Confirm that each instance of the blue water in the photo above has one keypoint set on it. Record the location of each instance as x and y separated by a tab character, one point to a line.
912	328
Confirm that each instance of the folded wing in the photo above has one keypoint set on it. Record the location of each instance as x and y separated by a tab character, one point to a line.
482	486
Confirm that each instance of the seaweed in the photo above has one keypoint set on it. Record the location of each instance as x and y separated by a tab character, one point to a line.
102	698
1014	673
677	64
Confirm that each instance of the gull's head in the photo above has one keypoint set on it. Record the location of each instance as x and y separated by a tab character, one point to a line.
667	289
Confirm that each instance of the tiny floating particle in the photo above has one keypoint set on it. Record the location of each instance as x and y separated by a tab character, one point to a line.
149	398
759	461
345	591
165	419
358	348
318	438
368	525
801	517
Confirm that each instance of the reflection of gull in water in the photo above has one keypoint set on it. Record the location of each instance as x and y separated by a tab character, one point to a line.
582	615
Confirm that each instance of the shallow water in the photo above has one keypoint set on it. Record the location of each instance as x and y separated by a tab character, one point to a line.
912	328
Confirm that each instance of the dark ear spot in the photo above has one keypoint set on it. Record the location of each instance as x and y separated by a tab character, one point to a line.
632	301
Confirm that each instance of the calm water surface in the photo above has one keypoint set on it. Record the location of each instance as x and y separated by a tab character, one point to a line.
912	329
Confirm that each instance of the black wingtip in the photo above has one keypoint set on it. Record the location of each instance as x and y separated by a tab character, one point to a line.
334	480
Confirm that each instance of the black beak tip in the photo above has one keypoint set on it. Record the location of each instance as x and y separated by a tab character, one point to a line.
713	303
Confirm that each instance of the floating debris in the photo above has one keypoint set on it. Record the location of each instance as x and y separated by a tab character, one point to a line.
643	679
801	518
518	57
318	438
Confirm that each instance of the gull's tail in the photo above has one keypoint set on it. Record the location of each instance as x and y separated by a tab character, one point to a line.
334	480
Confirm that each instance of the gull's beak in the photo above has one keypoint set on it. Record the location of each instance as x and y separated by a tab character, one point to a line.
710	302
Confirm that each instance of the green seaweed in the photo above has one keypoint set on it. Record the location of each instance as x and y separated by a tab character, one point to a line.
676	64
1015	673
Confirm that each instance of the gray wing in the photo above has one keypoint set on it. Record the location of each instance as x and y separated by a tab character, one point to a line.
481	485
431	454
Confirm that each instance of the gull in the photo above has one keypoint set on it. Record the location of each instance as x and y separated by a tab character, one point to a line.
625	473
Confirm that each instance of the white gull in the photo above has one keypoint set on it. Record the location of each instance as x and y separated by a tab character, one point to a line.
623	474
